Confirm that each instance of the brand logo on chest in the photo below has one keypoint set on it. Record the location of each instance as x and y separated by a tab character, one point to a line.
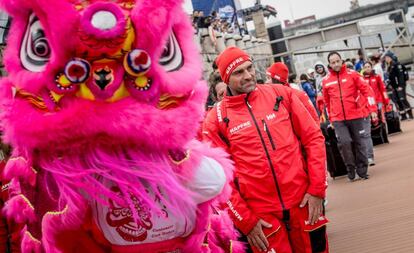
271	116
240	127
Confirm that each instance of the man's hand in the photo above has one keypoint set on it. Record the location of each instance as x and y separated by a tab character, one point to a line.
315	207
374	116
257	238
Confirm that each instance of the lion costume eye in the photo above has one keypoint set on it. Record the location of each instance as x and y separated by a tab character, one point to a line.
35	50
172	56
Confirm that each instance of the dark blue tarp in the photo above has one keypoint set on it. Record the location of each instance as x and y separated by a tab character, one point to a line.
224	7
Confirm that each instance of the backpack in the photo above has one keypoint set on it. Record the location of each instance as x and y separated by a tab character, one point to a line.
405	72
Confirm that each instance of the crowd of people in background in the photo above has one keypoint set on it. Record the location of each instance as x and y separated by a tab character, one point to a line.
214	23
386	78
351	96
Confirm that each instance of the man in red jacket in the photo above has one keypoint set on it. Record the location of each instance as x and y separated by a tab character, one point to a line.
277	195
342	89
278	73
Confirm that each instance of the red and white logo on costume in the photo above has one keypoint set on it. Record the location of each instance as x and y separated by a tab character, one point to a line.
122	218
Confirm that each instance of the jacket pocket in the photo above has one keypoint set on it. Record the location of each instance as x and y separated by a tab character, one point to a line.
318	239
276	225
316	232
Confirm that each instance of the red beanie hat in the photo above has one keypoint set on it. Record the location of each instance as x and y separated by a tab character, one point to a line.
278	71
229	60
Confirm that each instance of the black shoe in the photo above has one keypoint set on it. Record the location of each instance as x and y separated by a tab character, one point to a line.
366	177
371	162
351	175
410	114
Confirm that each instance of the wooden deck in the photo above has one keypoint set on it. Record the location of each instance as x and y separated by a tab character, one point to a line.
376	215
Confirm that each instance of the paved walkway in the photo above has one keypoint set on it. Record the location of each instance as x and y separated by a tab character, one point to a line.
376	215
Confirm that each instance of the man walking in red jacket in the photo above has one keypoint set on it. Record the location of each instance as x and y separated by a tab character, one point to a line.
278	73
342	89
277	195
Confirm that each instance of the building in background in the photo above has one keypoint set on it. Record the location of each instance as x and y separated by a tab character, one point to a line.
301	21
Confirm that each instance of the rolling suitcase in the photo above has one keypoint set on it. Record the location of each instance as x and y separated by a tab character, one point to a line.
379	133
393	120
335	163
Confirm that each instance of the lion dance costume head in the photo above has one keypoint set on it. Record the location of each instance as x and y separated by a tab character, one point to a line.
101	105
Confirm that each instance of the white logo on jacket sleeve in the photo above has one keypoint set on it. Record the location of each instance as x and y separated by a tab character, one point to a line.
218	110
238	216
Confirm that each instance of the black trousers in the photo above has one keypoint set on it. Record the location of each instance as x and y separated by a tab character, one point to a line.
400	98
352	141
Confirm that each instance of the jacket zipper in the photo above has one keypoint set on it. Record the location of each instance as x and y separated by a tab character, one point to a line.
340	93
266	129
267	154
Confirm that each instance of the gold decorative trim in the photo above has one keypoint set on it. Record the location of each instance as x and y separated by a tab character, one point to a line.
56	213
310	230
274	232
205	243
36	101
18	158
186	158
170	102
34	170
27	201
231	246
32	237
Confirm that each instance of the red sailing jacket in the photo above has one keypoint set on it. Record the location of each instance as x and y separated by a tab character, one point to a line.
304	98
262	131
378	87
341	92
366	107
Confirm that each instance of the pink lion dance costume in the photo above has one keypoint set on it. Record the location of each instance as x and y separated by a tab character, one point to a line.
101	107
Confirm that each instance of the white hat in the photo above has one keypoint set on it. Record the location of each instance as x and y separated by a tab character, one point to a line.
310	71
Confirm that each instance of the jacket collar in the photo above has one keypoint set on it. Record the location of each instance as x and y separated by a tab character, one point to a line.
230	99
372	74
342	71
